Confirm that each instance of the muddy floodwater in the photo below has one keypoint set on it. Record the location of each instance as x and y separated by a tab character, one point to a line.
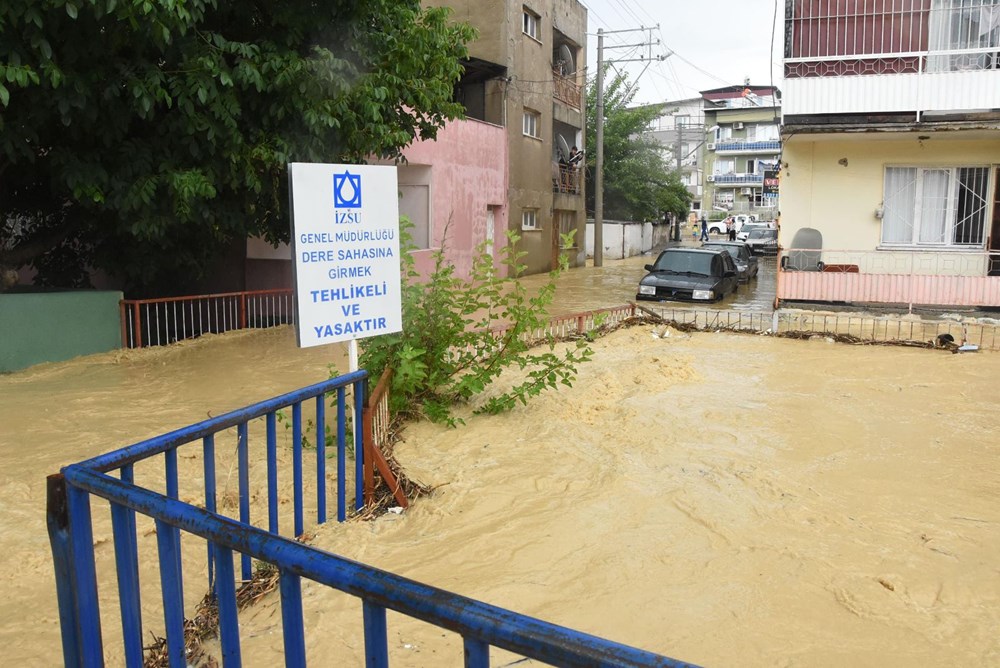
723	499
615	283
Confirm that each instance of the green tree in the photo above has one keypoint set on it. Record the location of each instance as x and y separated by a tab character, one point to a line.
143	136
638	182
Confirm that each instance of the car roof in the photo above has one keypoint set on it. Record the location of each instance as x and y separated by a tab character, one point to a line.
723	243
706	251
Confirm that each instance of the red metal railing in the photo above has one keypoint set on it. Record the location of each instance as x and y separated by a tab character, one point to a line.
569	180
156	322
567	90
376	421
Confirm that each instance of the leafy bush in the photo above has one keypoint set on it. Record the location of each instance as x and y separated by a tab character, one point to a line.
460	334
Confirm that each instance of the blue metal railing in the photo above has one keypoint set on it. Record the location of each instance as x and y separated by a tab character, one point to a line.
71	535
737	179
744	146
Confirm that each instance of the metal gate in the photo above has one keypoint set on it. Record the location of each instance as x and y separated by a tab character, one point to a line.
71	522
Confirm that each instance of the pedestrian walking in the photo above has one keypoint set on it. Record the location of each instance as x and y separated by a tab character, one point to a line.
704	228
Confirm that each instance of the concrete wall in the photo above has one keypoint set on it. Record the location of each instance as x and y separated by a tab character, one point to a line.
624	239
840	200
54	326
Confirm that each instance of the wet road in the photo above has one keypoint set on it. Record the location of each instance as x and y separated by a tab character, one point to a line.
615	283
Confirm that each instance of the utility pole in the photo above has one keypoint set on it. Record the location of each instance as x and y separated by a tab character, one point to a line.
676	236
599	175
599	166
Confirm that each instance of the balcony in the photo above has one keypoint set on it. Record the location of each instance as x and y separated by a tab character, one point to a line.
933	56
735	180
741	146
566	90
566	180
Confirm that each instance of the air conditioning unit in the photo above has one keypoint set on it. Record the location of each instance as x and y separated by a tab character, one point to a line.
746	191
711	178
711	147
737	126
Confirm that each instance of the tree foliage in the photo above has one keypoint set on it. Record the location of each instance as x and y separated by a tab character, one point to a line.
141	136
460	334
638	182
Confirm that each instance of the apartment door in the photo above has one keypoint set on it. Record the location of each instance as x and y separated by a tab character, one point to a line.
994	241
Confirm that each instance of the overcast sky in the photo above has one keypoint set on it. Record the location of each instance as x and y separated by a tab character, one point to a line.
714	43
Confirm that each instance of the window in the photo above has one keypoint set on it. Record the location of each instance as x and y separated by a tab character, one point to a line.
939	206
415	204
530	26
763	132
531	122
529	219
725	166
963	25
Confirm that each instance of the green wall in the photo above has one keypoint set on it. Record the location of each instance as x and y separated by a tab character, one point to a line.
53	326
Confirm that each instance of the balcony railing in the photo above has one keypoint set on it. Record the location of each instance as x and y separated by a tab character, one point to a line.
567	181
730	147
566	90
890	277
736	179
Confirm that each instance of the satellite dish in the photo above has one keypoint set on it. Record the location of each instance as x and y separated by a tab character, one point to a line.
563	146
566	56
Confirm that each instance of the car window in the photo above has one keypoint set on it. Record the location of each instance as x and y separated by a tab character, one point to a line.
695	263
763	233
739	253
732	250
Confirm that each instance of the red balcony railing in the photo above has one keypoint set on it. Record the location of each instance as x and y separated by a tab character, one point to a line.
567	90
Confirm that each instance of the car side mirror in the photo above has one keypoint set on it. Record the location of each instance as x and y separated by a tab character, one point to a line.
648	267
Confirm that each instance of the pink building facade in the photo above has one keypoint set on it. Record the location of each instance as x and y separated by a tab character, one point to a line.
454	192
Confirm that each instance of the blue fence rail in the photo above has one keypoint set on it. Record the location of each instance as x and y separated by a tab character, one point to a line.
71	533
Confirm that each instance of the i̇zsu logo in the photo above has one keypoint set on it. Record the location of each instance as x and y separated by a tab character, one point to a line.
347	191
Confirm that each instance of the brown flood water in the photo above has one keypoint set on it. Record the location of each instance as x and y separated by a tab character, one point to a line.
722	499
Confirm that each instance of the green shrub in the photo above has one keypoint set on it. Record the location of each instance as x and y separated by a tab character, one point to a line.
460	334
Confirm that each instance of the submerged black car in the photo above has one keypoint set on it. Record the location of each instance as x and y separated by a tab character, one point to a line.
746	263
689	274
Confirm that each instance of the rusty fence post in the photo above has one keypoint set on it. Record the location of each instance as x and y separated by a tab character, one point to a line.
137	324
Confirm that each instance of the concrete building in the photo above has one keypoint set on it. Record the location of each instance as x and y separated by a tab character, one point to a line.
742	125
681	131
891	153
527	74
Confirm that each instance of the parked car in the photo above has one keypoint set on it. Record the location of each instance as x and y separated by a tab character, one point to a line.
689	274
744	230
717	227
763	241
746	263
